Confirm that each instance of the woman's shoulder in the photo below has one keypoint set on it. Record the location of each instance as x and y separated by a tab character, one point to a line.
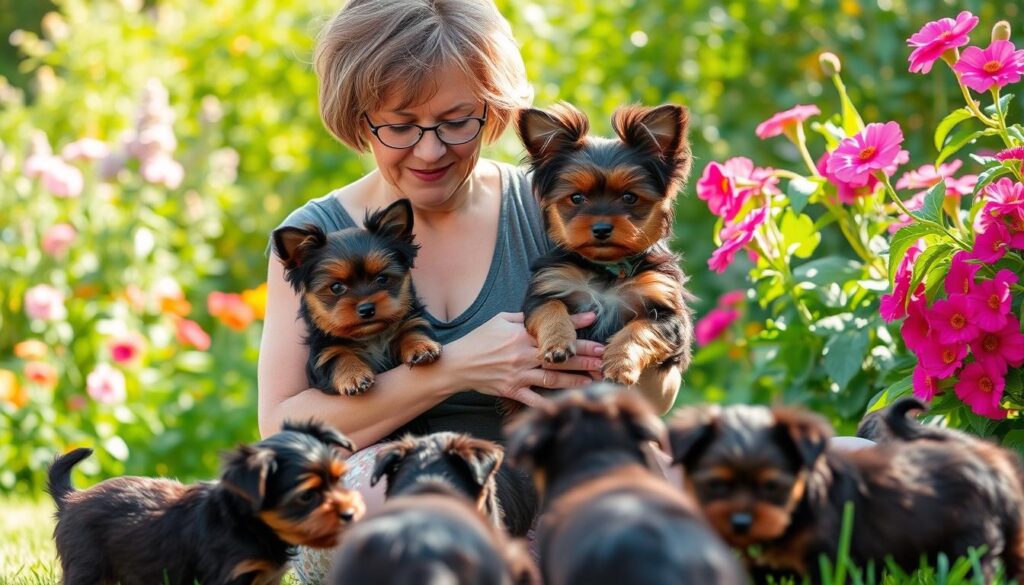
326	212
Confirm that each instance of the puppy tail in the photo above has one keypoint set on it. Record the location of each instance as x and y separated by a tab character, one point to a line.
906	428
58	480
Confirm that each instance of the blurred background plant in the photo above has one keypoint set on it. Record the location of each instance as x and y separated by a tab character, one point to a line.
148	147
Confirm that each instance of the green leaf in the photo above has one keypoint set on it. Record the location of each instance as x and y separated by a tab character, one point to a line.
961	139
827	270
798	234
844	355
933	200
948	123
800	190
924	264
989	175
886	397
904	239
1004	100
1016	132
935	278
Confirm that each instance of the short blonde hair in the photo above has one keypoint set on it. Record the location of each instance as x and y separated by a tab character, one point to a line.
374	48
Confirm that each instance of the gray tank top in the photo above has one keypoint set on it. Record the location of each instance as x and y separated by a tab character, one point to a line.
521	239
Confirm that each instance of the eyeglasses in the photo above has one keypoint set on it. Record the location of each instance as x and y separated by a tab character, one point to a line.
450	132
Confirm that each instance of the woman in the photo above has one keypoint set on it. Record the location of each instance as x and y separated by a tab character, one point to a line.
421	84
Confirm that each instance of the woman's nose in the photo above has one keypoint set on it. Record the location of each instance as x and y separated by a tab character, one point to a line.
430	148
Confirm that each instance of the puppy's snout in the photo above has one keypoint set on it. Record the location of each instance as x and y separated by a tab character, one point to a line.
741	522
366	310
601	231
347	515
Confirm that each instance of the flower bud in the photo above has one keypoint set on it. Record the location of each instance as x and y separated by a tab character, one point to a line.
1001	31
830	64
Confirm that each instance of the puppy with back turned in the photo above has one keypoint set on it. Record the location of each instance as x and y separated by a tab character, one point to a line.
608	516
357	299
240	530
766	477
608	207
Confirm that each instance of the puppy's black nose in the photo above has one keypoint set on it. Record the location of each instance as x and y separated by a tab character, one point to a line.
741	522
347	515
601	231
366	310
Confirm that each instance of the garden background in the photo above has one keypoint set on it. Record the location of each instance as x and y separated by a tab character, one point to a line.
149	240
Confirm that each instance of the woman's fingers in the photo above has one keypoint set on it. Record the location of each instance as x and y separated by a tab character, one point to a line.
589	348
576	363
580	320
543	378
528	397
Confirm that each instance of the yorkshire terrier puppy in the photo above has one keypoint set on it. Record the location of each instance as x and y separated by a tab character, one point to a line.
766	477
608	207
878	426
358	299
608	515
470	466
281	492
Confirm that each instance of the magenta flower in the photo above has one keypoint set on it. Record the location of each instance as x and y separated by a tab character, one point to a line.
982	390
990	301
893	306
727	186
1005	199
927	176
941	360
848	193
45	303
58	239
997	65
1015	153
1000	349
127	349
990	245
778	123
960	279
925	385
937	37
713	325
875	148
952	320
916	331
106	385
733	298
734	237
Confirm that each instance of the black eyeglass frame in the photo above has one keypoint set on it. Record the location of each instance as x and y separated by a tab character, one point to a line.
424	129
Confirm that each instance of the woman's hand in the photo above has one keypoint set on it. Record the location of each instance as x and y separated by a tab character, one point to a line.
500	358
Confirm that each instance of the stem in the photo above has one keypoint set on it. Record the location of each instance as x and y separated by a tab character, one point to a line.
1003	132
781	265
903	208
971	104
801	144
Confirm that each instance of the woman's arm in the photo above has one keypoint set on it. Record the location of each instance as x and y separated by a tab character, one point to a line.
660	387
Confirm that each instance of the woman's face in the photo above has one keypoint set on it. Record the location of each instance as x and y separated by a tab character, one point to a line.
430	172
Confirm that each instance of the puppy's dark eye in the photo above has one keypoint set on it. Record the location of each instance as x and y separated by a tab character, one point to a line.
577	198
773	489
629	198
381	279
307	498
338	288
716	488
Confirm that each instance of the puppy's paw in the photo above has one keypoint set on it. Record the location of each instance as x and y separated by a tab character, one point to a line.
556	354
356	384
621	371
423	352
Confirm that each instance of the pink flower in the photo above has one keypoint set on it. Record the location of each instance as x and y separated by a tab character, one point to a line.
162	170
848	193
44	303
85	149
941	360
893	306
960	279
873	149
1000	349
990	245
714	324
982	390
925	385
63	180
727	186
734	237
733	298
1015	153
997	65
1005	199
952	320
127	349
778	123
190	333
937	37
58	239
927	175
915	330
990	301
106	385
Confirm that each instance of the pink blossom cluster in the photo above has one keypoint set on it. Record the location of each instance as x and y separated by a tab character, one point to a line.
997	65
926	177
152	142
711	326
851	167
56	175
727	187
1000	223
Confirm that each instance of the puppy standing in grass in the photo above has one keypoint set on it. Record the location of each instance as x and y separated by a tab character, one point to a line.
767	477
280	492
608	516
608	206
358	299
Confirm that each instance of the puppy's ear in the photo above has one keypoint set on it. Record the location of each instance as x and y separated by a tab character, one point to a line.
293	244
387	461
245	473
545	133
321	432
394	221
638	417
807	433
481	457
690	432
660	130
530	437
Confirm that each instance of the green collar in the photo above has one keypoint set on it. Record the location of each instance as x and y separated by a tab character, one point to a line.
623	268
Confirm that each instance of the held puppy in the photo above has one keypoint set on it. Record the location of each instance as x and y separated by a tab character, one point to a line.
280	492
441	521
608	206
607	517
357	299
766	477
470	466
